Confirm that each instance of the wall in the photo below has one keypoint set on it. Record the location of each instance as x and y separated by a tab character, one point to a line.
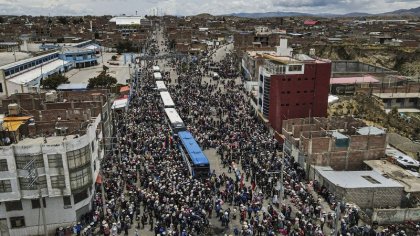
57	215
391	216
299	96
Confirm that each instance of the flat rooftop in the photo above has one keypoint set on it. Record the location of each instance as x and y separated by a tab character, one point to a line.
354	80
356	179
397	95
406	178
33	74
40	140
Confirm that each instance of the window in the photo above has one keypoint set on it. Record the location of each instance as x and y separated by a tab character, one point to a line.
400	100
67	201
22	160
24	183
35	203
78	197
17	222
14	206
78	158
55	161
295	67
58	181
410	100
5	186
93	146
1	87
3	165
81	178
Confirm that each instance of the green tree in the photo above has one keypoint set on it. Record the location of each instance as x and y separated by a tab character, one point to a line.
52	82
103	80
124	46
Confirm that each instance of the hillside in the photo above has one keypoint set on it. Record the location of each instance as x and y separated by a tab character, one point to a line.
404	60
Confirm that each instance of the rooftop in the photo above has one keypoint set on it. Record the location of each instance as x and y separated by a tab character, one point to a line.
50	140
38	71
72	86
370	130
127	20
5	67
410	182
356	179
354	80
397	95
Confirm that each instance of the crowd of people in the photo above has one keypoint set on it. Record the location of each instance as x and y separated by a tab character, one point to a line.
147	186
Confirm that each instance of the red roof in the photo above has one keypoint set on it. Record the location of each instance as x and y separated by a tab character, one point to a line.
124	89
354	80
310	22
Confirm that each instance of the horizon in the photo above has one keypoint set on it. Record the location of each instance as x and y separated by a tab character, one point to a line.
215	7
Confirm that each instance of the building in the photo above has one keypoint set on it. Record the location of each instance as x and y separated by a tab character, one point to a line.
261	37
79	57
367	189
127	25
403	101
25	75
292	86
348	85
251	62
66	135
340	143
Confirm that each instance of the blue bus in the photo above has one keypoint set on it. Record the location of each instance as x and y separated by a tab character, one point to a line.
197	162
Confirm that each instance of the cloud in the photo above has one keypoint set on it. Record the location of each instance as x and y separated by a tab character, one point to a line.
192	7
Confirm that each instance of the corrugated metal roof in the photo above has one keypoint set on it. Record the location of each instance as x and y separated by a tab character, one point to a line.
72	86
370	130
354	80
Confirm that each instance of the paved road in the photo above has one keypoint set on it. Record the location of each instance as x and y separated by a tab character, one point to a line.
211	154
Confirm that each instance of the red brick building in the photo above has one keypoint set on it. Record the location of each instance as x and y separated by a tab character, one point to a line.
292	87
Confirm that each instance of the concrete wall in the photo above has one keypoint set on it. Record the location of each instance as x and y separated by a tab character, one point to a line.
390	216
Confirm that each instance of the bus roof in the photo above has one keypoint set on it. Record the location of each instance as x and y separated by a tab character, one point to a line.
195	152
173	116
160	85
167	100
157	75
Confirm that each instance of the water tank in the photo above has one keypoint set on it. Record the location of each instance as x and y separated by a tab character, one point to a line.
13	109
312	52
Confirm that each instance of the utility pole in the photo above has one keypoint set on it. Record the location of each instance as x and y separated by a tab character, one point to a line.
281	175
33	179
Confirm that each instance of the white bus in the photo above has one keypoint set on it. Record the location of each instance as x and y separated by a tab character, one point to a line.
157	75
174	120
167	100
160	86
156	69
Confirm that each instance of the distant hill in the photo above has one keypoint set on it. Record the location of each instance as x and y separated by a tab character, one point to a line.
412	11
269	14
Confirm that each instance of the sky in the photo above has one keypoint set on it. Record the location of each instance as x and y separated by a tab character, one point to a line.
193	7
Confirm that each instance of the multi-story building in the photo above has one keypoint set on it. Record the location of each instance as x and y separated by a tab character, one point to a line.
64	134
292	86
340	143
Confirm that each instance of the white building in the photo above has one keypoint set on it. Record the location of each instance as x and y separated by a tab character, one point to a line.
67	167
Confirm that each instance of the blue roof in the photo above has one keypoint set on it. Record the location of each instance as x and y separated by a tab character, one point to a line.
194	151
